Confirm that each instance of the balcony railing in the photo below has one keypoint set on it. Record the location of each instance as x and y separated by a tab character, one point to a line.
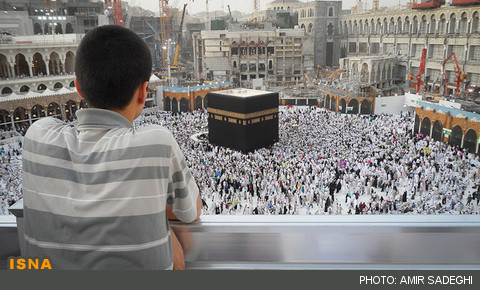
312	242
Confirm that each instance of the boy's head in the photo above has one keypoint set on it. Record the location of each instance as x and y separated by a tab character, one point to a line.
110	65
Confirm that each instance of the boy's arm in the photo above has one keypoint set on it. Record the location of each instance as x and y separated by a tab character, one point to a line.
173	217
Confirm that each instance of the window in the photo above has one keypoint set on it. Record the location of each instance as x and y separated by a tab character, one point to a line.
475	52
330	11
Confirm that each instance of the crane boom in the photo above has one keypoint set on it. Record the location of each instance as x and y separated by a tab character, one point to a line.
164	20
459	78
421	71
175	61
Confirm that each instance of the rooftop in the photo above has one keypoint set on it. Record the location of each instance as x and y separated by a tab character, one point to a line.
244	93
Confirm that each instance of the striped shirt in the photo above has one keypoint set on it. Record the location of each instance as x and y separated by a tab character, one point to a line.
95	193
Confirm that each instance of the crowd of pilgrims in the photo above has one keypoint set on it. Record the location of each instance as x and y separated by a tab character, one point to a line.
324	163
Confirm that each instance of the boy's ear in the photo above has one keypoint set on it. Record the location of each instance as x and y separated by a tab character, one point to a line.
142	93
78	88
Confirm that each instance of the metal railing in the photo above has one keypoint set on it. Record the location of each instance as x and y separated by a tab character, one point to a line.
320	242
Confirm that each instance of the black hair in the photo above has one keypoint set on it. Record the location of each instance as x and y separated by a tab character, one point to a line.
111	62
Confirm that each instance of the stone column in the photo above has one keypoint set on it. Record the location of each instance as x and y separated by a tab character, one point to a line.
12	120
47	66
62	109
29	112
30	67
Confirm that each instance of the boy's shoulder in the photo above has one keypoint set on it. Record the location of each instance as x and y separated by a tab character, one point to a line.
156	132
45	124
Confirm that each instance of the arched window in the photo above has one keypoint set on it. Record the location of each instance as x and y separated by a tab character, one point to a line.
462	25
37	28
330	11
433	25
452	24
442	24
38	65
475	22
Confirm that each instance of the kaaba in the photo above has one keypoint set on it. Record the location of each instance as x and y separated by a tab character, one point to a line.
242	119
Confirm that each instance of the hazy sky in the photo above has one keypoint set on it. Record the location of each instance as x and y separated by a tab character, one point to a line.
246	6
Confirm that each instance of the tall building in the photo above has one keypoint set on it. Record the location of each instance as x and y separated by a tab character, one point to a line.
279	56
405	32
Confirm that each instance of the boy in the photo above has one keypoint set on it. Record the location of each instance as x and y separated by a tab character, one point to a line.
97	194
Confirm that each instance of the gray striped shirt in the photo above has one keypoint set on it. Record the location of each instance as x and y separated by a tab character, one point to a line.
95	193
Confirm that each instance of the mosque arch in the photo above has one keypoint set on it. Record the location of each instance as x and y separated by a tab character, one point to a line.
69	28
21	66
416	125
475	22
37	28
406	25
463	23
437	131
198	102
333	104
426	126
366	107
457	135
167	104
20	116
24	89
41	87
6	91
58	28
353	104
205	102
53	110
310	28
54	64
470	141
4	67
83	104
37	112
327	102
452	24
70	109
38	65
174	105
433	24
5	122
184	105
342	106
364	73
70	62
58	85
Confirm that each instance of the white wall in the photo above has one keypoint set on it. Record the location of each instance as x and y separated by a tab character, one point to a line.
411	99
390	105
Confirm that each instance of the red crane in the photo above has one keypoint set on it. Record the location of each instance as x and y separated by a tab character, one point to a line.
116	7
421	71
459	78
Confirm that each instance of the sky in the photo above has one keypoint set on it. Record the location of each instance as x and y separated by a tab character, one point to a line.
245	6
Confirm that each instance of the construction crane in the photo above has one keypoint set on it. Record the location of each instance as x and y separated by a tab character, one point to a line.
421	70
307	80
322	69
208	15
230	12
330	79
165	33
156	35
179	40
115	6
459	78
256	5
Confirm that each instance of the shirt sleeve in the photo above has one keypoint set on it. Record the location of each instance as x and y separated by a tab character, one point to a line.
182	189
